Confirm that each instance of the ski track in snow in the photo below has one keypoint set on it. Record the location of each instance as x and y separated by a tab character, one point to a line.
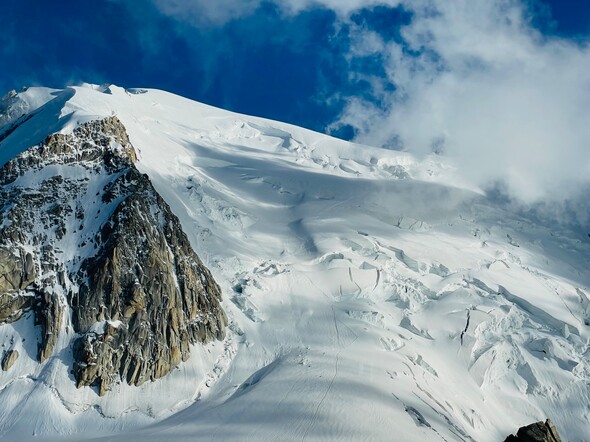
370	294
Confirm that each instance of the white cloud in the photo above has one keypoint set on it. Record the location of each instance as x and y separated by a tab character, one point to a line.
505	102
219	12
341	7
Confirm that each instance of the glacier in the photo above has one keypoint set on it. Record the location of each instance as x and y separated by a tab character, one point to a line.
371	294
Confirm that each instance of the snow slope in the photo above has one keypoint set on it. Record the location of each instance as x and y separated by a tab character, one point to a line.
372	295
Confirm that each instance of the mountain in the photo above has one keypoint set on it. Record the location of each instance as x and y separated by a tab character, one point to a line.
169	270
91	247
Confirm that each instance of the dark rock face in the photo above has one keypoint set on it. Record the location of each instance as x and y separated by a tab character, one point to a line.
537	432
84	232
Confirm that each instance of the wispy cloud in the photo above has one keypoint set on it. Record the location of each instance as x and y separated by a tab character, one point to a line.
341	7
220	12
206	12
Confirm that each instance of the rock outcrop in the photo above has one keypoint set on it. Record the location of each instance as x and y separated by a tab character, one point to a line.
12	306
84	232
148	290
537	432
16	270
8	359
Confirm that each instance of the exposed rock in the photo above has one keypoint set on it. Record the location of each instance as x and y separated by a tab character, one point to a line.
104	245
95	145
17	272
17	269
8	359
153	283
12	306
49	315
537	432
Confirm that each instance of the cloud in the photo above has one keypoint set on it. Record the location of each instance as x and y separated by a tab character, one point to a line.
475	81
342	7
220	12
207	12
470	79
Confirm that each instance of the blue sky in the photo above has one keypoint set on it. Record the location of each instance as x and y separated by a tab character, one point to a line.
406	74
290	67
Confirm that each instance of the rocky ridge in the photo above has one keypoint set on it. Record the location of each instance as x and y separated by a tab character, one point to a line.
88	244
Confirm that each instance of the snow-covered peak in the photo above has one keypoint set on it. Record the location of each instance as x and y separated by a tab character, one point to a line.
172	120
363	286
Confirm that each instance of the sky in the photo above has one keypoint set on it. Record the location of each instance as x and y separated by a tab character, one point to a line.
500	86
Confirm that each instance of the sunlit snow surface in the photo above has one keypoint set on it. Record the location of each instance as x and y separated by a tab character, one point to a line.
371	296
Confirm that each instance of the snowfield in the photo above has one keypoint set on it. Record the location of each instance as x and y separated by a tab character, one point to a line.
371	295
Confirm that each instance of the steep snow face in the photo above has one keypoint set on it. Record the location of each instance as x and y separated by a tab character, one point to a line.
368	291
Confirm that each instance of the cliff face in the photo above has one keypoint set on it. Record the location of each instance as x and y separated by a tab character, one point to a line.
87	242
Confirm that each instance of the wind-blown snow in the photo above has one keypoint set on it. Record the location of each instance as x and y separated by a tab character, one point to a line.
370	293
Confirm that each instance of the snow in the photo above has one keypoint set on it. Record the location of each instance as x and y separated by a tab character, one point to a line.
370	293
